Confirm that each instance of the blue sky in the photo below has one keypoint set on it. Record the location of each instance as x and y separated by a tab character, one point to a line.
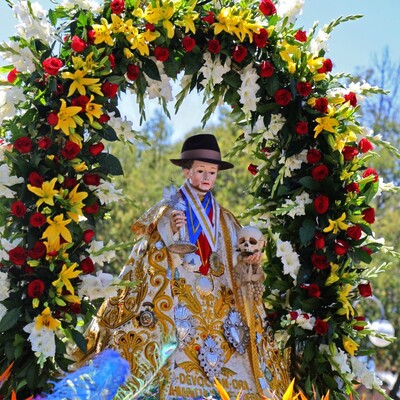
352	44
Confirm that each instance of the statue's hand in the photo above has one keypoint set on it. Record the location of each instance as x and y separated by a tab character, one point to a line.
254	258
177	219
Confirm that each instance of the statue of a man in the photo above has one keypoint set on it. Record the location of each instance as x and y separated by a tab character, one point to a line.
184	323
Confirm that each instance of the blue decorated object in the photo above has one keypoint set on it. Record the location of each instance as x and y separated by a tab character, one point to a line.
98	380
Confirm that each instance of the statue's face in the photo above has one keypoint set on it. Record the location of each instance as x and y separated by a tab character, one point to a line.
202	175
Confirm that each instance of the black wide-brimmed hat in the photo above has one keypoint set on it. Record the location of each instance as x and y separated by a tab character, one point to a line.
202	147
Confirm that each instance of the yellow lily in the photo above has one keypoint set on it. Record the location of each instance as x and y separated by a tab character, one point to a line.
46	192
75	203
336	224
159	13
79	165
46	320
72	298
93	109
333	276
64	277
350	345
66	119
79	81
188	22
103	33
88	65
76	138
346	309
56	229
315	63
325	124
118	24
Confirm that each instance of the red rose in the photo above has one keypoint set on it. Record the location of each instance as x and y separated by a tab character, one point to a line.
354	232
266	69
371	171
260	39
87	265
161	53
93	209
23	144
352	98
12	75
111	59
353	187
320	172
59	89
75	308
349	152
366	249
369	215
293	315
365	145
303	88
213	46
78	44
150	27
132	72
326	66
239	54
319	241
282	97
70	150
365	289
17	255
103	119
341	247
314	156
91	36
267	7
321	105
18	209
321	204
88	235
37	220
117	6
209	18
253	169
301	128
80	101
52	119
188	43
321	327
109	89
301	36
35	179
313	290
96	149
52	65
319	261
70	183
35	288
38	251
44	143
360	323
92	179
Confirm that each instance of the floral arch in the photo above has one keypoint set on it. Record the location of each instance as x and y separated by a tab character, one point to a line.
312	189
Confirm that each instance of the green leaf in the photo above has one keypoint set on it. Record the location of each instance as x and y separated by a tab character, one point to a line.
10	319
79	339
307	231
110	164
309	183
192	63
109	133
150	69
232	78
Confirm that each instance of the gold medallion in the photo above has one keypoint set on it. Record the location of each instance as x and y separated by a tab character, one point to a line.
204	285
216	266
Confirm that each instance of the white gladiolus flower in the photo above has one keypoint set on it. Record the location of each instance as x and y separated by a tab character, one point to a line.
363	375
7	180
90	5
290	9
42	340
283	248
3	311
21	57
103	256
160	89
319	42
10	97
213	71
33	22
276	124
101	285
248	89
305	321
122	127
291	264
4	286
107	193
339	359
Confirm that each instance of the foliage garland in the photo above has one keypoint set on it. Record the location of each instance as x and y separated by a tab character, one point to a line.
312	189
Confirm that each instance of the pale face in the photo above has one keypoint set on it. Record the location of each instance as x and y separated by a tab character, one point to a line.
202	175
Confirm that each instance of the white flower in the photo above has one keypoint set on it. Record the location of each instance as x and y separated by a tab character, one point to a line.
305	320
363	375
6	246
276	124
283	248
33	22
213	71
20	57
385	187
99	253
320	42
248	89
107	193
3	311
294	162
291	264
10	97
101	285
90	5
160	89
4	286
7	180
337	357
42	340
122	128
290	9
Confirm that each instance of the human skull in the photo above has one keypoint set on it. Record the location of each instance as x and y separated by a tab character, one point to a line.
250	240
